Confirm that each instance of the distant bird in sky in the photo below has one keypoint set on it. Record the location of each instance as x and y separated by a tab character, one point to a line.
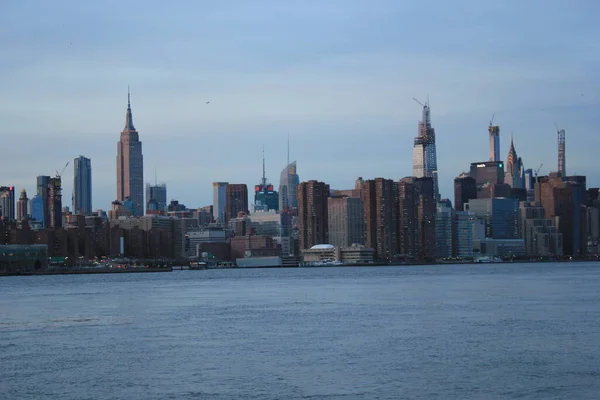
207	102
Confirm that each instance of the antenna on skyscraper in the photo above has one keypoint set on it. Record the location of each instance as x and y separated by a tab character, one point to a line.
288	150
128	97
264	177
155	179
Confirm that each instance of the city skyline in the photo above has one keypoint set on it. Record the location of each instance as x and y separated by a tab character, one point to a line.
350	92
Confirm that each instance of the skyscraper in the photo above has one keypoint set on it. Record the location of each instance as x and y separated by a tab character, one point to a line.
288	185
82	186
424	151
562	157
465	189
130	165
236	200
443	229
156	197
514	175
42	191
219	201
313	213
494	132
265	197
7	202
22	206
55	202
380	202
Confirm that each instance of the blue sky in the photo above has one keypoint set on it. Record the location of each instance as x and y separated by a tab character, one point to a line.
337	76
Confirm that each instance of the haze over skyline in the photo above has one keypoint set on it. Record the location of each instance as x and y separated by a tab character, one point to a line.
338	76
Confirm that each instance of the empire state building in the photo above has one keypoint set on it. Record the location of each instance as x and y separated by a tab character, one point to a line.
130	165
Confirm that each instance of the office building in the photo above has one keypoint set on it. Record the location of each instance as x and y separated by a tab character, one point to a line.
22	206
542	239
130	165
313	213
236	200
424	151
465	232
500	216
288	186
220	201
465	189
156	197
515	173
82	186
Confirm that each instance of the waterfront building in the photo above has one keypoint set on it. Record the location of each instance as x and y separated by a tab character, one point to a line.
500	216
542	239
346	221
443	229
424	151
313	213
130	165
465	232
380	205
82	186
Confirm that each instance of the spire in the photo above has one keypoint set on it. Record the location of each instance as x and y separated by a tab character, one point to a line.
128	118
264	176
288	150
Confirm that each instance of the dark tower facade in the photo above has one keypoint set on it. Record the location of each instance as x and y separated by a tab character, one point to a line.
562	161
236	200
465	189
313	213
130	165
380	205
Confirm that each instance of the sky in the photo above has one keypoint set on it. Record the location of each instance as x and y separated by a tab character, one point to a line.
337	76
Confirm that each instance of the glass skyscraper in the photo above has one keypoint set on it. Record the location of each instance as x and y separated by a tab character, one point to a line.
82	186
424	152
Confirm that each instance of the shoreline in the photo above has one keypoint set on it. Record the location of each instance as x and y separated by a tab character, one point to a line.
171	269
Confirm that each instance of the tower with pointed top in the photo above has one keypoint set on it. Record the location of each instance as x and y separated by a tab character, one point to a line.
514	175
424	151
130	165
265	196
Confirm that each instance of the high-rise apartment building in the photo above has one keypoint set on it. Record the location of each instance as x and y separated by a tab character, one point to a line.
55	203
542	239
220	201
37	210
346	221
443	229
426	217
313	213
42	190
563	201
130	165
7	203
82	186
22	206
562	156
465	189
380	204
424	151
156	197
494	133
288	186
236	200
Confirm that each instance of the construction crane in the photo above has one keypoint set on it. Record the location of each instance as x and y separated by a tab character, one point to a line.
492	120
537	171
59	174
423	105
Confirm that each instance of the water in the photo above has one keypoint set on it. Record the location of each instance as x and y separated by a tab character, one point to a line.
454	332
